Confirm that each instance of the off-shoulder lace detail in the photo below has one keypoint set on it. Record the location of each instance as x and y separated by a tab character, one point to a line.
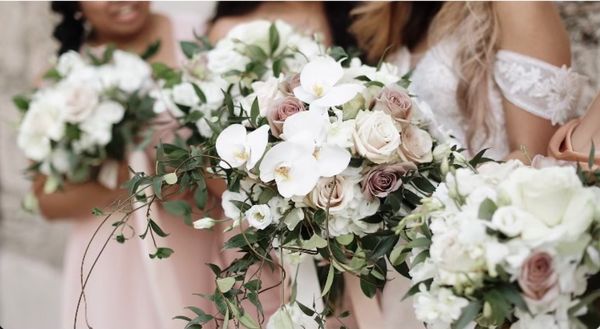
538	87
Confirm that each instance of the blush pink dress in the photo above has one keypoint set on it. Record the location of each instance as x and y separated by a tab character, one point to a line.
127	289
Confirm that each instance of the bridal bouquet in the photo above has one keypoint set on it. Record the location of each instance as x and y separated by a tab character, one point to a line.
504	246
87	112
322	156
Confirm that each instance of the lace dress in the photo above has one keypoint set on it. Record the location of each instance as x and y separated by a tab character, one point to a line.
542	89
535	86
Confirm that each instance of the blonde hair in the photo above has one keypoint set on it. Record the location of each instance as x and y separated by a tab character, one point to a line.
379	25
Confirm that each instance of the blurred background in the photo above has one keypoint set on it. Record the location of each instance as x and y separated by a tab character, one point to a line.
31	248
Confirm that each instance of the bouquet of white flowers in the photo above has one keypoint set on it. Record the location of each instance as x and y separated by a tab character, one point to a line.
504	246
322	155
87	112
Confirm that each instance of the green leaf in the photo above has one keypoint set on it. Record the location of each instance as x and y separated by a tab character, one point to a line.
249	322
239	241
241	205
419	243
315	241
201	194
421	257
253	285
97	212
266	195
228	102
305	309
21	102
225	284
256	53
254	112
151	50
329	281
367	285
189	49
415	288
162	253
214	268
499	305
469	313
202	317
157	186
277	66
52	74
156	229
512	294
200	93
120	238
179	208
273	38
345	239
487	209
338	53
423	184
182	317
592	157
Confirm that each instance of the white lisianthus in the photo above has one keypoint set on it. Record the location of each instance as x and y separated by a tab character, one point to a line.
320	87
204	223
230	210
539	321
98	127
259	216
439	307
184	94
237	147
130	73
376	136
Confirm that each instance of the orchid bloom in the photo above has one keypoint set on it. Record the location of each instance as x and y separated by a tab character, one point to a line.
319	84
310	129
292	168
237	147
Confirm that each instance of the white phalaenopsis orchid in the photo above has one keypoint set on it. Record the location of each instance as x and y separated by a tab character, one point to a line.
320	84
292	167
310	129
237	147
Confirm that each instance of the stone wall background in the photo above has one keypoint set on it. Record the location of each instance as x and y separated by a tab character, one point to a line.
31	249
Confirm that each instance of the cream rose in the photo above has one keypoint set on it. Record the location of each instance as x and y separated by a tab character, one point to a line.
376	137
80	103
416	145
335	192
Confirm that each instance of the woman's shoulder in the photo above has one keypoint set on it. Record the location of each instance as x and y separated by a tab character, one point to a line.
533	29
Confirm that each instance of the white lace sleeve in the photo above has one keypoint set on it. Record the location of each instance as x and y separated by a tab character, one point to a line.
538	87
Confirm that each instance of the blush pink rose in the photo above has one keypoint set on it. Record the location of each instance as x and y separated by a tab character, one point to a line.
282	110
416	146
395	101
538	276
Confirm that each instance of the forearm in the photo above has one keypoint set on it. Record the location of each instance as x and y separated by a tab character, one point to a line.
588	129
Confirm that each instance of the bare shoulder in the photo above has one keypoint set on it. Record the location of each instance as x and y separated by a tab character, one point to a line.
534	29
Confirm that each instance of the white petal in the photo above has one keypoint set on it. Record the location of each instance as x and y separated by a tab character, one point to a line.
303	95
303	177
304	127
229	142
332	160
279	153
338	95
257	140
323	71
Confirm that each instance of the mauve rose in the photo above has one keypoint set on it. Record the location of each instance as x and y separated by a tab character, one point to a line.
538	276
382	180
281	110
394	100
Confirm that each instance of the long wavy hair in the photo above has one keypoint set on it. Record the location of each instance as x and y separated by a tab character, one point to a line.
382	25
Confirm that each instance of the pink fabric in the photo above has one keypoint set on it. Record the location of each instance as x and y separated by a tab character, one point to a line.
127	289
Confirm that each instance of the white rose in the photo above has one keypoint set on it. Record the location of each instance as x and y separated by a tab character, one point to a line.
376	136
204	223
184	94
130	72
463	182
509	220
224	58
259	216
555	197
69	62
80	102
98	127
266	92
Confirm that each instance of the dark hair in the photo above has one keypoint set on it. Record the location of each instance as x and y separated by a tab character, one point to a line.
70	32
421	16
337	13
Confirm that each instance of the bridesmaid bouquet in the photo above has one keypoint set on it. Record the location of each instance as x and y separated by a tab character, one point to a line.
504	246
87	112
322	156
